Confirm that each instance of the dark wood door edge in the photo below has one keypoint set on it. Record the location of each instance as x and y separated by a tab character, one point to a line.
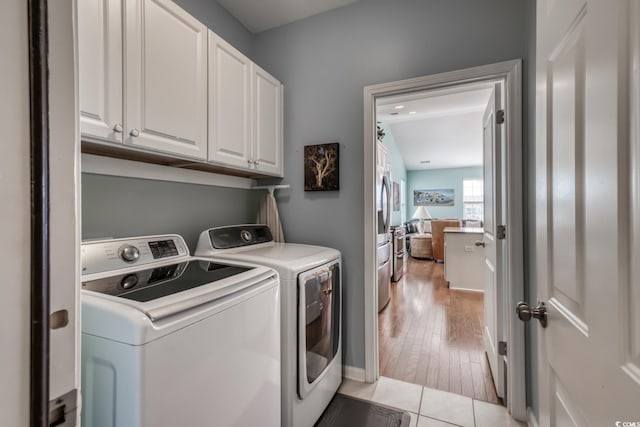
40	268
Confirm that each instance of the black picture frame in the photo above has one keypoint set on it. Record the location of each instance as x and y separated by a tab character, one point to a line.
322	167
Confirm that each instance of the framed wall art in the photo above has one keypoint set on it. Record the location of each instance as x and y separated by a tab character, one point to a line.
436	197
321	167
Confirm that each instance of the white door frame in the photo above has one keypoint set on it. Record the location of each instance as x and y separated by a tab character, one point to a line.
511	73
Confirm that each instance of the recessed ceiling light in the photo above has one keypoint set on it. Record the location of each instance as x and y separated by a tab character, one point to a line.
425	161
412	112
399	107
393	114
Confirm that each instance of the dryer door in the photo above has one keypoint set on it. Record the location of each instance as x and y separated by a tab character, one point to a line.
319	307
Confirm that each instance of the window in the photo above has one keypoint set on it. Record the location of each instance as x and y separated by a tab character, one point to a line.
472	199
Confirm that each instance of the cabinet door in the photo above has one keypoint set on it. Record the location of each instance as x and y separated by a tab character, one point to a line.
381	156
267	122
166	79
100	69
229	104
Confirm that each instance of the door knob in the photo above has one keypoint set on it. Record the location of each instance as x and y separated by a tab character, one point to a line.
525	313
480	243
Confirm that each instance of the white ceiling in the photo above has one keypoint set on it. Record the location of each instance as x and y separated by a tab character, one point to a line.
260	15
444	130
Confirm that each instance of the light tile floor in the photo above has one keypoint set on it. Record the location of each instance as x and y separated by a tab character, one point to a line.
429	407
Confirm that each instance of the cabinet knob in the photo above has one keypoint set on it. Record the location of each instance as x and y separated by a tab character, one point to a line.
118	128
256	163
135	133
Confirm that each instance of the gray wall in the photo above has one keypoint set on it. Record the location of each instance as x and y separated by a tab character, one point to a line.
325	62
214	16
125	207
441	179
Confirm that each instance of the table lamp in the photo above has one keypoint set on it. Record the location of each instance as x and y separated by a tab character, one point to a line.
421	213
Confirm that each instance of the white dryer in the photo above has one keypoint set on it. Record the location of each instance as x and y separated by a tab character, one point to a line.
172	340
311	303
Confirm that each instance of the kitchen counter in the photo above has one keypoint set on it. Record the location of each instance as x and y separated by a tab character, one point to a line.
463	265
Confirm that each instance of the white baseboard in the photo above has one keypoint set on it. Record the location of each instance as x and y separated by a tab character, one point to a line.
531	418
353	373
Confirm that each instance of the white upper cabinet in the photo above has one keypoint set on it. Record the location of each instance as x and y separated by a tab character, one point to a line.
229	104
382	161
155	79
100	68
267	122
245	112
158	100
166	78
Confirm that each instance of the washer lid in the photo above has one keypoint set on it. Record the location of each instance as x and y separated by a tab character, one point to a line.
153	283
170	288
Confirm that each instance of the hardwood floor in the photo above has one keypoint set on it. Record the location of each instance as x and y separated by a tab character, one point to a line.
432	335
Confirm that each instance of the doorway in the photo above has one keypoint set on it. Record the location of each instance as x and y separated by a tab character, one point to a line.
509	74
432	330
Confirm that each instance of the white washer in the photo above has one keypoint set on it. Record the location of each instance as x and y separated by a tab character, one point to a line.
173	340
310	283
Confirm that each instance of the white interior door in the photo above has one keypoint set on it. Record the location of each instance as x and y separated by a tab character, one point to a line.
589	353
15	182
64	237
492	266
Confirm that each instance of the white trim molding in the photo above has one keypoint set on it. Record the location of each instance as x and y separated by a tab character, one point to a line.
353	373
510	73
532	421
101	165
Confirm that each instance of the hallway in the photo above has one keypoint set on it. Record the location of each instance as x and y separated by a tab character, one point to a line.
431	335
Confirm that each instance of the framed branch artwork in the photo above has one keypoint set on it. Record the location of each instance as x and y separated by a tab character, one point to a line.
321	167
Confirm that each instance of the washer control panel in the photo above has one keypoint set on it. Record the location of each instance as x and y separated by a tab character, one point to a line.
239	235
108	255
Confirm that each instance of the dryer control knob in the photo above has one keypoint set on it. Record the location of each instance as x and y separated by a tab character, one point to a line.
129	253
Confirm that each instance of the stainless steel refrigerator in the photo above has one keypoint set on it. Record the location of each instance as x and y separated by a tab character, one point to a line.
383	208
